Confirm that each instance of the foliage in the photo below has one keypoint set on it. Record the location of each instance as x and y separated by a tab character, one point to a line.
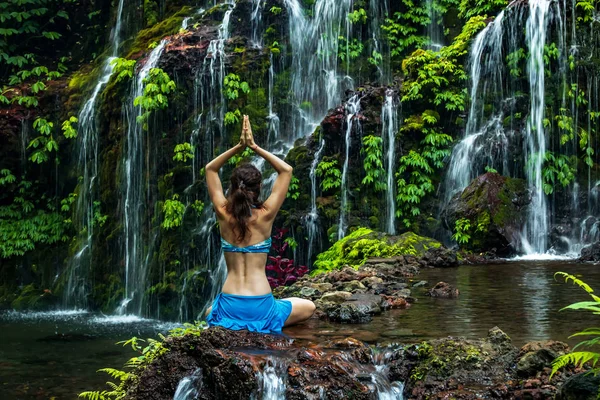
417	169
26	29
157	85
349	49
293	191
232	117
330	172
99	219
28	220
472	8
557	169
183	152
580	358
232	86
276	10
358	16
354	249
173	210
45	143
373	164
461	231
123	68
281	271
198	206
405	29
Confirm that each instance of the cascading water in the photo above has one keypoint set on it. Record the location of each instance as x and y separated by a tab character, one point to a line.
273	380
462	169
389	120
352	109
257	34
385	389
187	389
273	118
135	169
536	228
434	29
77	284
312	219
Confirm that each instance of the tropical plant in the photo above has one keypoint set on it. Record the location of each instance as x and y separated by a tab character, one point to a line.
123	68
293	191
373	152
173	211
281	270
461	231
157	85
183	152
330	173
581	358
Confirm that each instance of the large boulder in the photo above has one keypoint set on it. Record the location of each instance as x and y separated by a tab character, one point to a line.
495	207
590	253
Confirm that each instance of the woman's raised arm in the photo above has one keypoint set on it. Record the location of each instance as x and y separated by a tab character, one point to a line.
283	169
213	181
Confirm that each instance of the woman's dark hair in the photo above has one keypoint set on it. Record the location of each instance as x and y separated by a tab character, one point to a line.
243	196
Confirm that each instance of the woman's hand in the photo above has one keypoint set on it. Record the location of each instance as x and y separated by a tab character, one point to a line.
247	133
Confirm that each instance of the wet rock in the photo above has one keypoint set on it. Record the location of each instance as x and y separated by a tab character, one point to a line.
583	386
360	308
336	297
496	207
307	292
393	302
535	356
420	284
439	258
353	286
590	253
443	290
372	280
228	366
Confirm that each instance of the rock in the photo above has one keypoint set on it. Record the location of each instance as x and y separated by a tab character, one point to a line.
420	284
358	309
582	386
336	297
307	291
439	258
372	280
590	253
402	293
353	286
224	370
535	356
443	290
496	207
393	302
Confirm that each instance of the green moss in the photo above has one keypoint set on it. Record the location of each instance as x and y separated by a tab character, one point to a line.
32	298
363	243
155	33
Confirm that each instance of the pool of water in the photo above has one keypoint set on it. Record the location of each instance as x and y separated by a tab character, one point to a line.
520	297
56	355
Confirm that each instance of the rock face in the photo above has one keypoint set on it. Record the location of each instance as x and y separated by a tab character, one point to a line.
443	290
221	364
495	207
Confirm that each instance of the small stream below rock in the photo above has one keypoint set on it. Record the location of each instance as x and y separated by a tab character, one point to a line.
55	355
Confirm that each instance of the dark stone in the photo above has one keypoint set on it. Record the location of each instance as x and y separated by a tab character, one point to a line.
496	207
439	258
443	290
590	253
360	308
583	386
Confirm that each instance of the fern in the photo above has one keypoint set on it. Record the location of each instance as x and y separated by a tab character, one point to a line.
578	358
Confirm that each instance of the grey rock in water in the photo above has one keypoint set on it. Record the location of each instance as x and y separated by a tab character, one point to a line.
583	386
590	253
443	290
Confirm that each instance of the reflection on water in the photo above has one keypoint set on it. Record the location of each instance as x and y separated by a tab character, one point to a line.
522	298
55	355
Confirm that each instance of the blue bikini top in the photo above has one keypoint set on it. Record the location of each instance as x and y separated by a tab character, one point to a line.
262	247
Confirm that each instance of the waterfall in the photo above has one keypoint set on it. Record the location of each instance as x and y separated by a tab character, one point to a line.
187	389
434	30
77	284
352	108
273	118
135	168
389	120
312	219
385	389
462	168
315	82
536	228
272	381
257	34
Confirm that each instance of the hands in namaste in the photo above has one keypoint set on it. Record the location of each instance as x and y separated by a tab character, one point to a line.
247	139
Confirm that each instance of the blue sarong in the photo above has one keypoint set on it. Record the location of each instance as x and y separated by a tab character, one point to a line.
253	313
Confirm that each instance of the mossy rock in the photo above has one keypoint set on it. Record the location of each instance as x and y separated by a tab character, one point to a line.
356	248
32	298
495	207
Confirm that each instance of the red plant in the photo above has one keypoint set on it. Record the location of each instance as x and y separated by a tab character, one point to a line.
281	270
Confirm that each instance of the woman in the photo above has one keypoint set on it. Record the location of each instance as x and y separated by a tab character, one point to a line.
246	301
